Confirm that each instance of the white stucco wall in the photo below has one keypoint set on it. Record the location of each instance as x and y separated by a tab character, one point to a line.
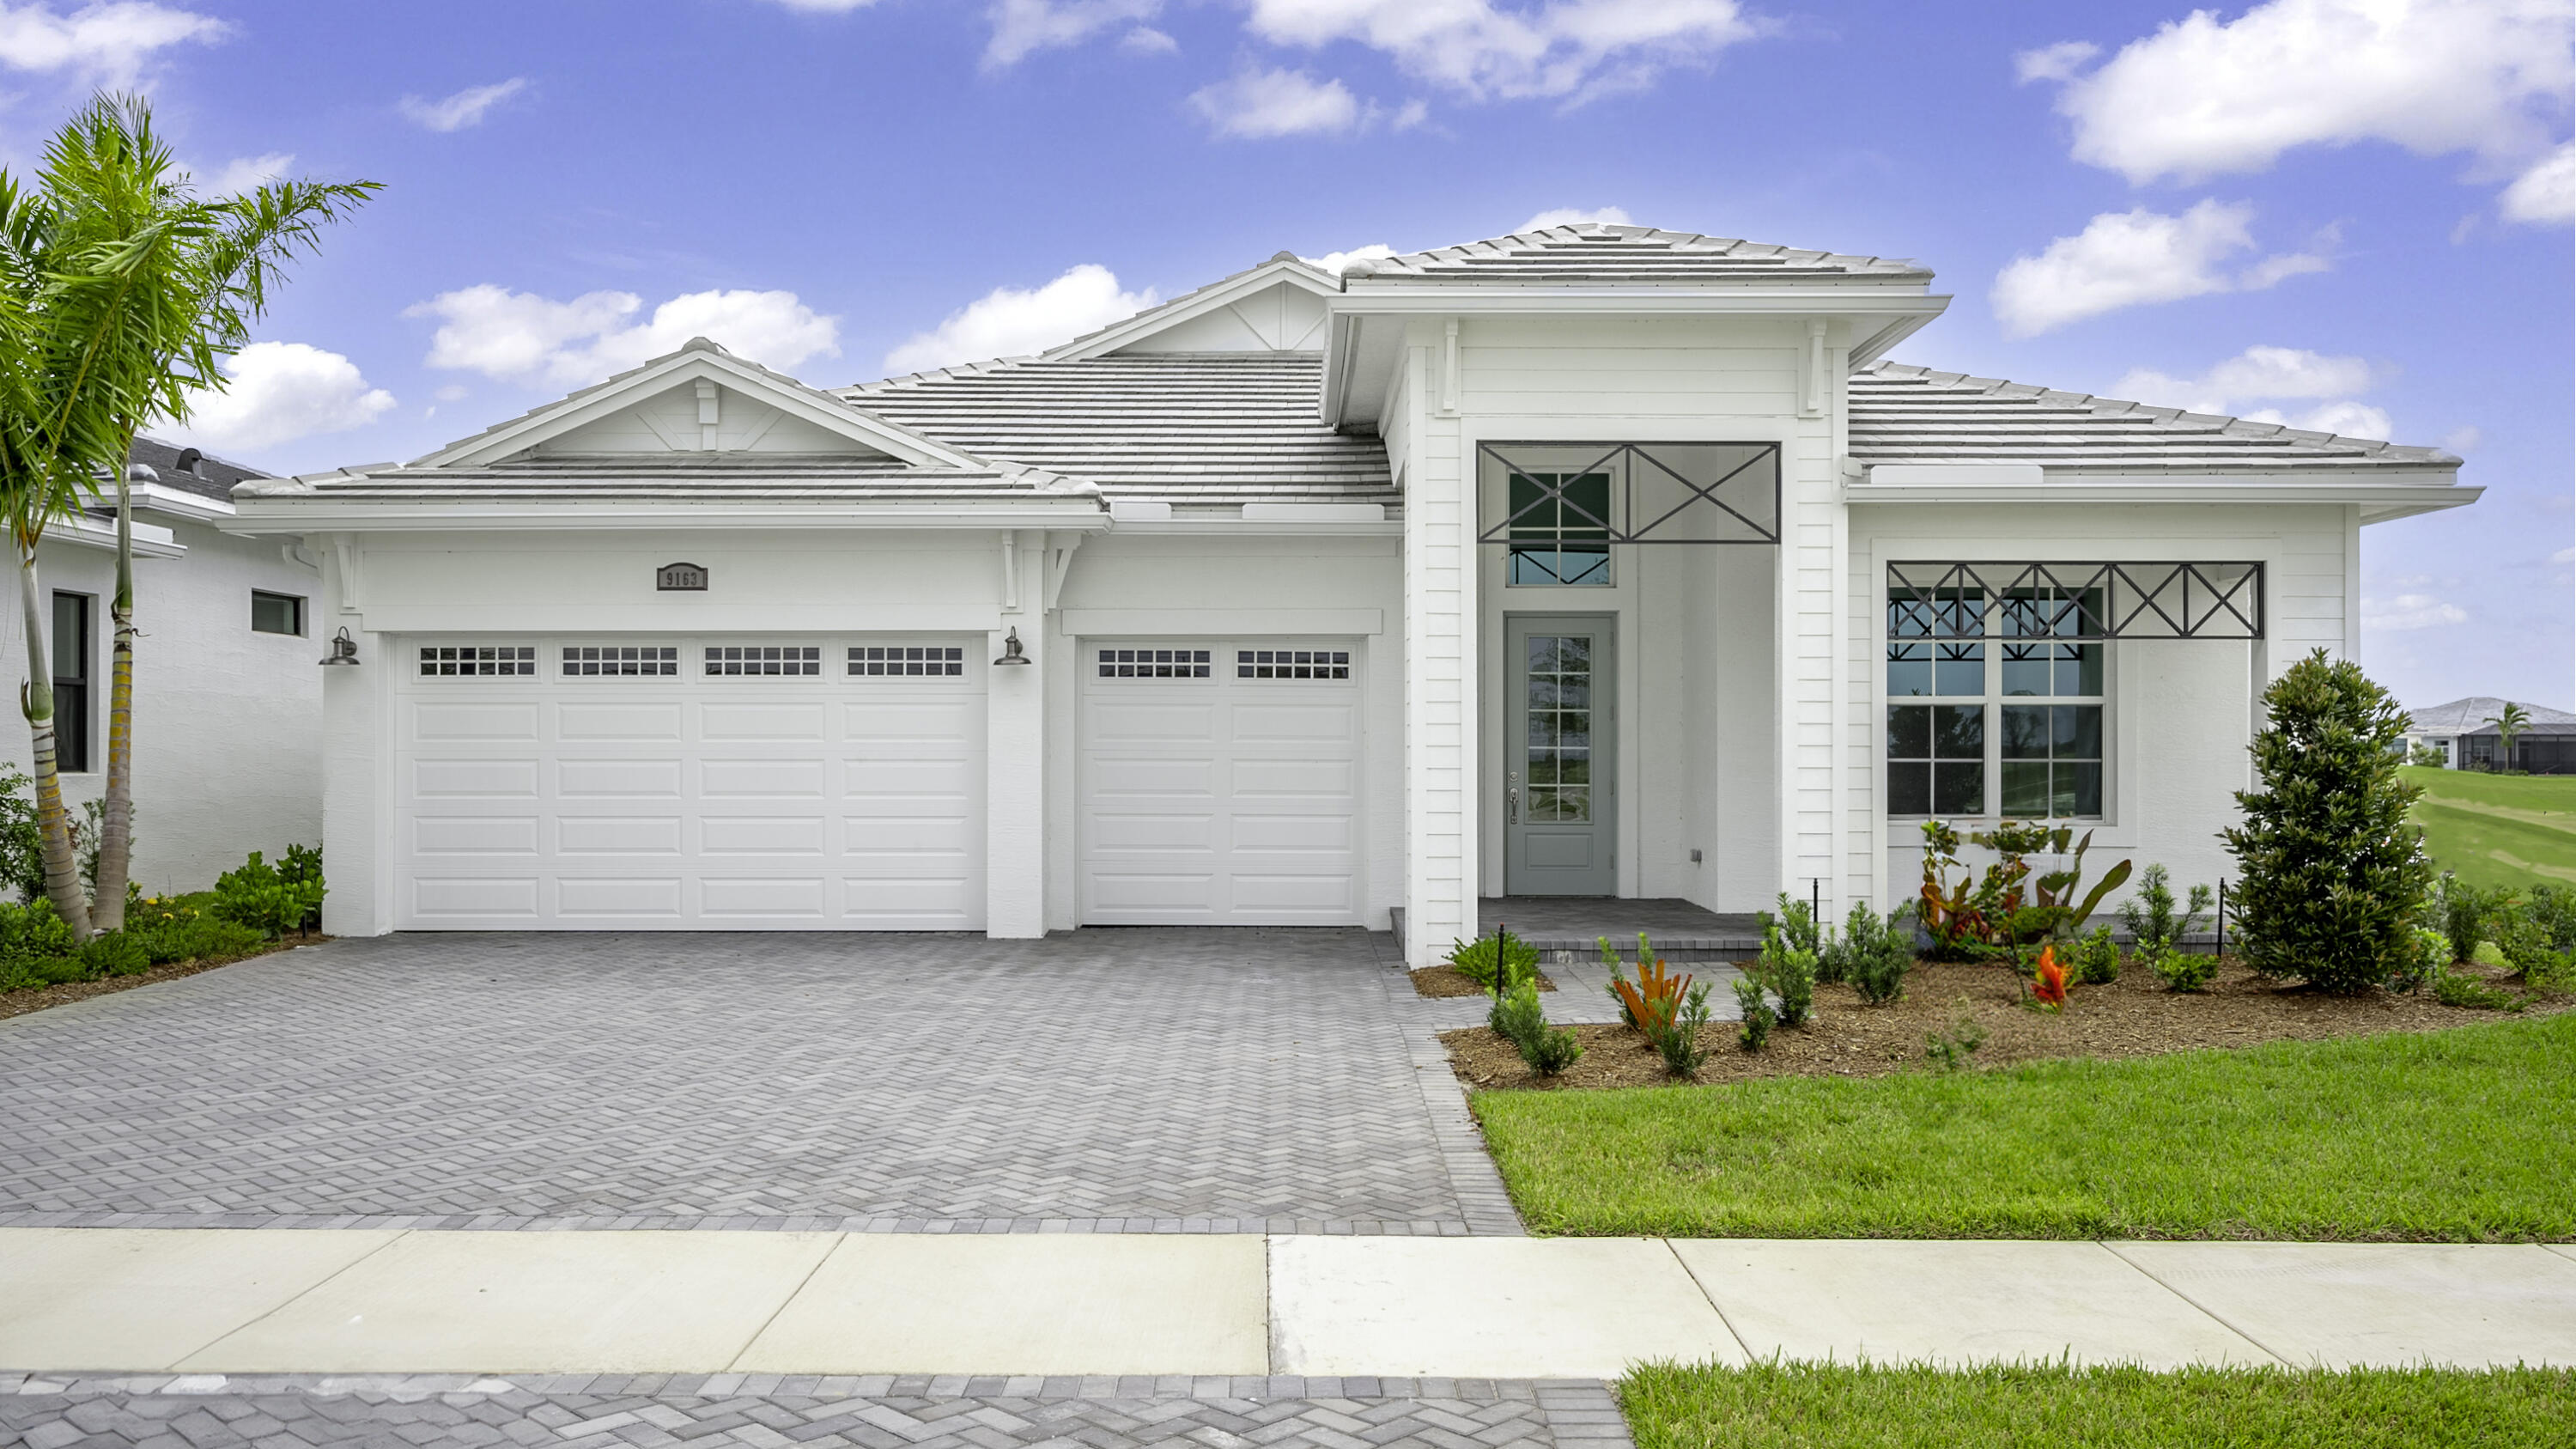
227	722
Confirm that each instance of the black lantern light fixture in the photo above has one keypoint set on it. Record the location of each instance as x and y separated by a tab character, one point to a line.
344	650
1011	649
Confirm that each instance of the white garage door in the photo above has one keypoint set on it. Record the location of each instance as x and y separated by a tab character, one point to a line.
1220	783
790	782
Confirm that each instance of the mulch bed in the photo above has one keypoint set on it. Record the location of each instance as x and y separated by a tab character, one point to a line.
2132	1017
19	1003
1450	981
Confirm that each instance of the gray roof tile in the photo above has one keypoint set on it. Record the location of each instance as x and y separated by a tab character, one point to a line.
1593	255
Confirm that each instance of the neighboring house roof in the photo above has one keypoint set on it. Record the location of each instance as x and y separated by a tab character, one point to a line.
1902	414
1592	254
189	470
1178	427
2470	715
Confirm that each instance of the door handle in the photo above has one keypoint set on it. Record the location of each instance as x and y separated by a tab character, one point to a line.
1512	806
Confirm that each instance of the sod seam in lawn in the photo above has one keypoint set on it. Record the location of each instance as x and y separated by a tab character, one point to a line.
1842	1406
2466	1135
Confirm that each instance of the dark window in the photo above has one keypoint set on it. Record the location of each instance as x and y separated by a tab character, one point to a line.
622	660
446	661
908	661
1566	517
2052	760
734	659
71	683
1936	759
276	613
1292	664
1153	664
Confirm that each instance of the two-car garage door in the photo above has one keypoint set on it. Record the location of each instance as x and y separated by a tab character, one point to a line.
716	784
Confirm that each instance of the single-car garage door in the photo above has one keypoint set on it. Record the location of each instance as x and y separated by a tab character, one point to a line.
730	783
1220	783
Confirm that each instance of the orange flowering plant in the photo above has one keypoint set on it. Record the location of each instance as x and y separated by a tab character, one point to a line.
2048	983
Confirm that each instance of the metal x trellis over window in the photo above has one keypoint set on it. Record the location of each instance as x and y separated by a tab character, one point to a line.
2080	600
1559	507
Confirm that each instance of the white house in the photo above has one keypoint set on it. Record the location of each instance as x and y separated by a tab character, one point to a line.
227	701
1599	560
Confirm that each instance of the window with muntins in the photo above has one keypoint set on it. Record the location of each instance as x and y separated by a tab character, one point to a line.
1154	664
1994	707
764	659
446	661
1560	530
71	683
1292	664
909	661
622	660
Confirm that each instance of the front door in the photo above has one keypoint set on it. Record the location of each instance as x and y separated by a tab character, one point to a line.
1559	804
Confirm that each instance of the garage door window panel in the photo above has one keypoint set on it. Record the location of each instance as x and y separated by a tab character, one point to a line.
1156	663
907	661
477	661
621	661
765	660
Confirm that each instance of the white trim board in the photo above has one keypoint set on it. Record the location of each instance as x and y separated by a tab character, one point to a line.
1334	623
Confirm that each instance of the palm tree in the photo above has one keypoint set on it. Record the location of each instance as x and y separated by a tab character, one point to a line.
2509	723
126	290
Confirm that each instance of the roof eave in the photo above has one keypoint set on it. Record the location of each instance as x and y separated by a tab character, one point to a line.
273	516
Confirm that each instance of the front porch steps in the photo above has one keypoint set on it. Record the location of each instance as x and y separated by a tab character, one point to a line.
1566	929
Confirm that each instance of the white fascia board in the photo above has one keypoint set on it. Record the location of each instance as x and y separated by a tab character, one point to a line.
1206	299
691	612
1238	528
1223	622
265	518
87	532
177	503
2379	498
619	393
1472	299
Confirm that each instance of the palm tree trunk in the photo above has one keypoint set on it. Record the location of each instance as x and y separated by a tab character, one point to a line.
62	868
116	823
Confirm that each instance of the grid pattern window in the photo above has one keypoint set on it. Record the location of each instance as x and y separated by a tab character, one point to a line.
765	659
1995	702
1560	530
275	613
71	680
1560	729
455	660
1154	664
909	661
622	660
1292	664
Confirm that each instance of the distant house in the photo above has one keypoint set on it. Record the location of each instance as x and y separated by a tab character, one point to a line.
2460	730
227	701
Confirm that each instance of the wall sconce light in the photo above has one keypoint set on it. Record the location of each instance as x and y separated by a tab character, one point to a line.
1011	649
344	650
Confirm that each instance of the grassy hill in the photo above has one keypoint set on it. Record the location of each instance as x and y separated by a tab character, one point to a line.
2499	830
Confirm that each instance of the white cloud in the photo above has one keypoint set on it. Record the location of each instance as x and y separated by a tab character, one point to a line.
2564	555
242	173
279	392
2200	97
2270	373
2410	611
1146	40
1485	51
1576	216
1021	28
522	337
2545	195
1010	321
2054	62
2127	258
1258	104
1333	262
102	44
465	108
2344	416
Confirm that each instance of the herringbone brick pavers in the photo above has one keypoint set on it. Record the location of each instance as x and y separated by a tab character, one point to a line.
283	1412
1239	1080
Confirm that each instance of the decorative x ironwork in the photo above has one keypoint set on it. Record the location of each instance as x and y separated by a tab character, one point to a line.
1607	493
2080	600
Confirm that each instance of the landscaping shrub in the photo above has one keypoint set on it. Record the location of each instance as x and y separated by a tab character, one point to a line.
2432	957
22	847
2464	913
1790	972
2149	917
2334	875
1755	1007
1619	987
1518	1017
1677	1039
179	928
263	898
1877	954
2458	988
1497	962
114	953
1654	999
2097	958
1797	921
2182	970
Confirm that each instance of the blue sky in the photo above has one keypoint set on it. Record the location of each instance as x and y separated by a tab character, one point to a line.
2341	213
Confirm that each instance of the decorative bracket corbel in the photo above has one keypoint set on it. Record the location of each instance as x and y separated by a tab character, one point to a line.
1059	563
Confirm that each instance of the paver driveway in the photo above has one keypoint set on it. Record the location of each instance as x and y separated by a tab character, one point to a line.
1255	1078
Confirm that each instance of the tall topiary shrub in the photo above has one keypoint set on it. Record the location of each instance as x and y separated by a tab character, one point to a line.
2333	875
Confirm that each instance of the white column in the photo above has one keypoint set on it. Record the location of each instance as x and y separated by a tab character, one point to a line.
358	728
1811	604
1440	663
1015	741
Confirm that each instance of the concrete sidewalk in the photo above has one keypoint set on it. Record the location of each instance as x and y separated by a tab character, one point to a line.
214	1302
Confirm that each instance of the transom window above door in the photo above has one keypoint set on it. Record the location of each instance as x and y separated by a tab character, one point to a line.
1560	530
1562	510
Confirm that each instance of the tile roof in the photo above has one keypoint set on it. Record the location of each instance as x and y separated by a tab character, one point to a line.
206	477
1902	414
1594	255
1180	427
2471	714
663	477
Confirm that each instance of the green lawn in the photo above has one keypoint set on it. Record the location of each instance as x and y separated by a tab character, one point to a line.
2466	1135
2499	830
1818	1406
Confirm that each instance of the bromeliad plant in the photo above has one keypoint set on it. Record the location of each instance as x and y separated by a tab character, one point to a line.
1652	1000
1982	917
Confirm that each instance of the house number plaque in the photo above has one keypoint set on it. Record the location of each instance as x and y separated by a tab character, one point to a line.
681	578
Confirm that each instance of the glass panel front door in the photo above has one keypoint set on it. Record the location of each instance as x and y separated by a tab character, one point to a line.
1557	785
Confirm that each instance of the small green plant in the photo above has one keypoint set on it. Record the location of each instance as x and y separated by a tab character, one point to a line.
2458	988
2464	913
2150	917
2181	970
1652	1001
1797	921
1677	1040
1519	1018
1753	1005
257	896
1790	972
115	953
1877	953
1951	1050
2430	958
1496	963
2428	755
1619	987
2097	958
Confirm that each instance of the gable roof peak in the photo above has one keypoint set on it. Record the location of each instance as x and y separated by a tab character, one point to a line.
707	344
1594	253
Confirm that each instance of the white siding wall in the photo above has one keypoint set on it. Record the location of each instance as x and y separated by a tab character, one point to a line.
226	721
2180	712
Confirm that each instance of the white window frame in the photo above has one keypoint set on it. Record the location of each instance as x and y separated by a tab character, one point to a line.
1991	701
